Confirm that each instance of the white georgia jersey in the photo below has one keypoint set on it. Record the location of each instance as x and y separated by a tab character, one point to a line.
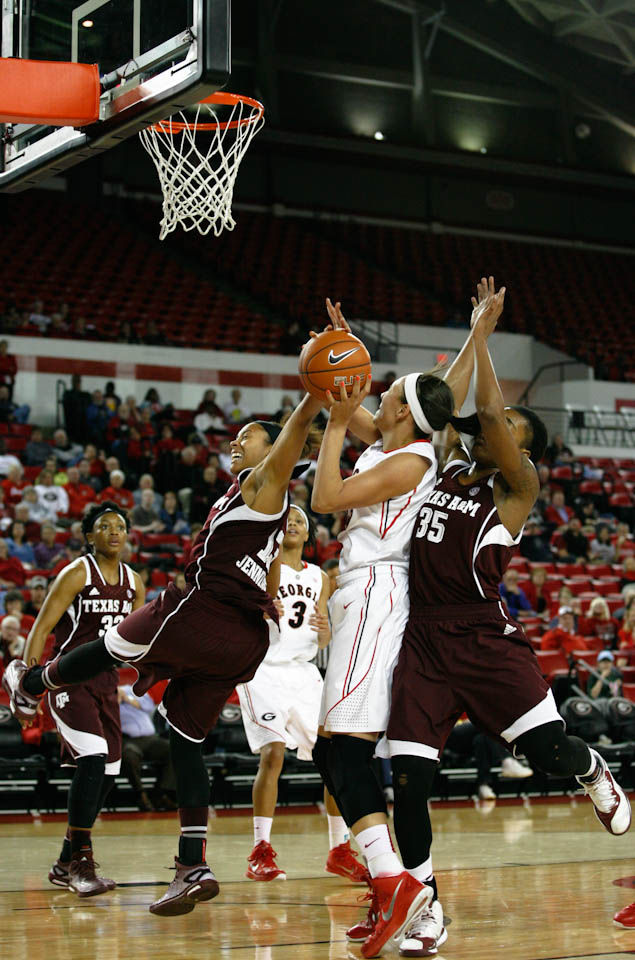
381	533
299	591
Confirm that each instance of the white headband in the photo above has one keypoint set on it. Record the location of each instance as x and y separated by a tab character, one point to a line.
294	506
410	390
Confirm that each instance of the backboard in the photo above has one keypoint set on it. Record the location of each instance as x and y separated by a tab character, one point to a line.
155	57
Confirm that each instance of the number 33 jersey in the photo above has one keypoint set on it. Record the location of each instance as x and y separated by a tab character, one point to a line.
96	608
299	592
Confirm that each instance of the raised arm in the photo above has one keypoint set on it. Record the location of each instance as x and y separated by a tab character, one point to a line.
61	595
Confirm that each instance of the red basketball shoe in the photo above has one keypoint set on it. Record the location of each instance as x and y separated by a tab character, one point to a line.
262	863
612	807
400	898
626	917
191	885
343	861
83	880
360	931
59	875
23	705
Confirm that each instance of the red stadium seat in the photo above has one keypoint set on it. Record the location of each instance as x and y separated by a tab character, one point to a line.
552	661
628	691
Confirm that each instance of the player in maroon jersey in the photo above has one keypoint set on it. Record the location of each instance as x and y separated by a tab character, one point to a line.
89	596
207	638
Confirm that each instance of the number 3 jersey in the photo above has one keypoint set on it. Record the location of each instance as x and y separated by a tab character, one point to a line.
98	606
299	592
460	549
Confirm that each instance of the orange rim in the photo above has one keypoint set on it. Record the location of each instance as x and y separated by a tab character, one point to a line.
226	99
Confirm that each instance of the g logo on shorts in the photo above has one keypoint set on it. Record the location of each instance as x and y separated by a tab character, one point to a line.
268	716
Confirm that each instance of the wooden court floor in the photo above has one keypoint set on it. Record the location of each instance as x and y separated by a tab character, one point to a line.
530	881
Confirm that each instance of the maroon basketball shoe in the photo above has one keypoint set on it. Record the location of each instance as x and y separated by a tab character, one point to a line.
425	934
83	880
342	860
401	897
360	931
612	807
191	885
262	863
59	875
626	917
23	705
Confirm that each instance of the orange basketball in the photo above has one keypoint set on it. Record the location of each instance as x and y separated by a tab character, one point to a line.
330	359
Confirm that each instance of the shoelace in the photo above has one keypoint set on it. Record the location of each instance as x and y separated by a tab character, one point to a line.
266	854
87	868
602	792
373	909
423	925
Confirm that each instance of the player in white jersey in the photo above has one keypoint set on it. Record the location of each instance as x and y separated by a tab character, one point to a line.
281	704
369	610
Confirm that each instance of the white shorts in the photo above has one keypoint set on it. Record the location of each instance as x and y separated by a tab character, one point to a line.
282	704
369	612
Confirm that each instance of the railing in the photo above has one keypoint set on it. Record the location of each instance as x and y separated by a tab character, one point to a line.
559	365
594	426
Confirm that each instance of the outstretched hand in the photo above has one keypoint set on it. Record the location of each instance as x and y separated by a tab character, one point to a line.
338	321
487	308
341	408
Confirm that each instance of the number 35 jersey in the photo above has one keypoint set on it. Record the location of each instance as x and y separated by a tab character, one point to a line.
98	606
299	592
460	549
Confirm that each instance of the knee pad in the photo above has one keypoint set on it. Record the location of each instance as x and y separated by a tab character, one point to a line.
321	752
551	750
412	779
92	766
356	787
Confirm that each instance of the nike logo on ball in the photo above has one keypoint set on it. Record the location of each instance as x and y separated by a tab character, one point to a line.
336	358
387	914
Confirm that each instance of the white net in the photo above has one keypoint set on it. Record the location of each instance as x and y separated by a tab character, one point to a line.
197	160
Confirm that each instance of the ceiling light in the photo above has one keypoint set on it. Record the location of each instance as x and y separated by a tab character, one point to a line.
483	149
378	135
87	23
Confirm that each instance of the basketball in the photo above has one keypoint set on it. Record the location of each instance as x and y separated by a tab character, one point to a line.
330	359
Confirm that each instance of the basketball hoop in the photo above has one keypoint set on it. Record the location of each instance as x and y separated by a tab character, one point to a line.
198	182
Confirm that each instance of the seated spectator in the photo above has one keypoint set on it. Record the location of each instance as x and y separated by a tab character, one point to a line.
558	452
563	637
207	419
210	397
64	451
53	498
10	412
609	682
73	550
146	482
533	544
536	590
117	492
287	407
37	512
573	546
7	460
36	450
87	477
144	517
14	605
625	635
205	493
145	425
224	456
12	573
79	494
467	741
628	572
600	623
38	587
12	643
188	475
13	485
168	442
37	317
47	551
601	549
332	569
60	476
171	515
587	513
111	399
97	417
8	367
119	424
96	461
18	545
141	744
152	400
513	595
558	513
235	410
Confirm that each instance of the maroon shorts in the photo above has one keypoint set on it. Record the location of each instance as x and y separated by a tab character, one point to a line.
87	720
203	647
468	659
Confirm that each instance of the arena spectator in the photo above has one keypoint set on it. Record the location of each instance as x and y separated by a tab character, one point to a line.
17	544
59	474
141	744
73	550
513	595
37	317
53	498
609	683
563	636
537	591
602	549
533	544
38	587
138	451
111	399
600	623
64	451
188	475
13	485
207	419
11	412
625	635
37	512
235	410
287	407
168	442
7	460
8	367
558	513
117	492
97	417
210	397
75	402
47	551
628	572
12	642
206	492
79	494
36	450
14	607
331	569
146	482
144	518
558	452
12	573
573	546
152	334
152	401
87	477
587	513
171	515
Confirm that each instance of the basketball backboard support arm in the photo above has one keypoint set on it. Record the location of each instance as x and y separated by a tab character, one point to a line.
150	81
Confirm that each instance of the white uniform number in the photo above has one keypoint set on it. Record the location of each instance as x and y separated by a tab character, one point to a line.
109	620
431	525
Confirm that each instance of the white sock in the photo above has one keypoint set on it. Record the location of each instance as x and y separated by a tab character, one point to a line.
423	872
595	766
377	848
262	829
338	831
